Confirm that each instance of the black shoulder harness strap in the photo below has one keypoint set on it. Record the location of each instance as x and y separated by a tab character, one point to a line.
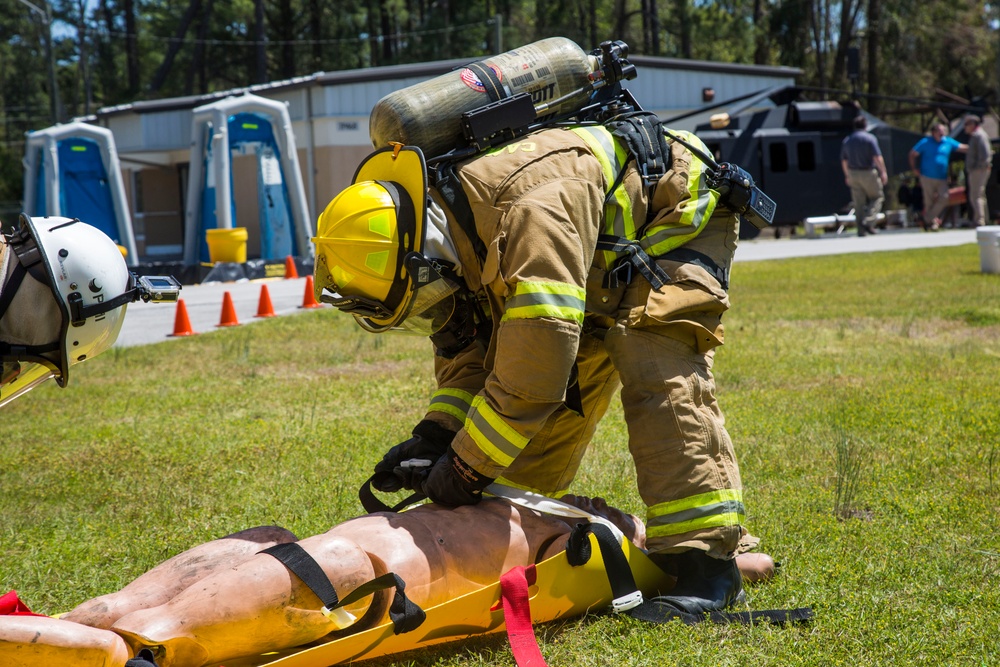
405	615
450	188
627	597
642	134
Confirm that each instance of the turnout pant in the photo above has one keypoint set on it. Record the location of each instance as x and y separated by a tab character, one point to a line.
657	346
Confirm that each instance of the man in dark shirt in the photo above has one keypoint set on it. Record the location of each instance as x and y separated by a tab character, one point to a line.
864	172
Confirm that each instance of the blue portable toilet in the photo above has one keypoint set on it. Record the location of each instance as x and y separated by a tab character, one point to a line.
73	170
246	124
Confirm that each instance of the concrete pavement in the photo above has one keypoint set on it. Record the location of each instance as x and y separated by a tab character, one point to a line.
153	323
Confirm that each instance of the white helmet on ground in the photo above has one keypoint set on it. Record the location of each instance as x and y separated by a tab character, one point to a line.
64	286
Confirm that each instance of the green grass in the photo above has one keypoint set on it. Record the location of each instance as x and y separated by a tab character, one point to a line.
879	373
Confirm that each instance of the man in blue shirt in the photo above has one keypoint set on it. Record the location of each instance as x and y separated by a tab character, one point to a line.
934	153
864	172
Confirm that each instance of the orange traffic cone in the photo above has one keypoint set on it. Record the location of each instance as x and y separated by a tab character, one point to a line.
290	270
228	318
182	323
264	307
309	299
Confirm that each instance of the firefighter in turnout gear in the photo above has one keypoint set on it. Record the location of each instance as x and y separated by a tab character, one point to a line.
549	272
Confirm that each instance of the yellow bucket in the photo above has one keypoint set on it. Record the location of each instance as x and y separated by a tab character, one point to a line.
227	245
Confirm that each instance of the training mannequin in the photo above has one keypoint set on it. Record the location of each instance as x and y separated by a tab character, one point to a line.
223	599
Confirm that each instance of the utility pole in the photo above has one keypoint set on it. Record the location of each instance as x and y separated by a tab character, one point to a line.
55	104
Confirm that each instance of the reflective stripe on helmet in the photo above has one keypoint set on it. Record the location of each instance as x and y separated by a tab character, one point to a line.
494	437
705	510
544	299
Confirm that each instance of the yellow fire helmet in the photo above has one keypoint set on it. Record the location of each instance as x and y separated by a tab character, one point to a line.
369	243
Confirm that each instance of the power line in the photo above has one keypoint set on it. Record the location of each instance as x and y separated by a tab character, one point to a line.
304	42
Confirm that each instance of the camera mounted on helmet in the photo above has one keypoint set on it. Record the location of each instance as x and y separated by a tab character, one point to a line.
63	300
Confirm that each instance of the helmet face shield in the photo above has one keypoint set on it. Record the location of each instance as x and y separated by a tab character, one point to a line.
432	308
20	377
429	303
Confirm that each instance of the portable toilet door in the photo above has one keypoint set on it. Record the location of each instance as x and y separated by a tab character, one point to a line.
72	170
246	125
255	132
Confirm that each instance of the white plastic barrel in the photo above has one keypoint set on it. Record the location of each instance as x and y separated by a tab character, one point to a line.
989	248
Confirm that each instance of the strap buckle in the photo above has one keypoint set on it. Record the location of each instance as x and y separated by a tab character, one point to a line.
626	602
339	616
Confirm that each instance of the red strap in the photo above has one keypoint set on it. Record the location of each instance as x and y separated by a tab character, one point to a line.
517	616
11	605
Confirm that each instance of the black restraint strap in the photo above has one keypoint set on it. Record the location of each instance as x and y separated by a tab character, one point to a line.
373	504
305	567
620	577
403	612
623	587
654	611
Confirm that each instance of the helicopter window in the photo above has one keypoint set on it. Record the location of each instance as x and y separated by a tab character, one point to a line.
807	155
779	157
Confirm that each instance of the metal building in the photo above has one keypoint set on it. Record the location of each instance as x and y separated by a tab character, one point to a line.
329	114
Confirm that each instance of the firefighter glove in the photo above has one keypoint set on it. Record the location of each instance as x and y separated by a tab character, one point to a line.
451	481
395	471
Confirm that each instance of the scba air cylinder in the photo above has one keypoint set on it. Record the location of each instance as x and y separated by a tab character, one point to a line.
429	114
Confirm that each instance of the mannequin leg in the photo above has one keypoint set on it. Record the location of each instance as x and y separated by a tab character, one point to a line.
169	578
256	606
39	641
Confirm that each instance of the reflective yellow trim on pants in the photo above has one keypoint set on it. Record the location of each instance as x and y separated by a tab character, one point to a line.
454	402
700	512
494	437
541	299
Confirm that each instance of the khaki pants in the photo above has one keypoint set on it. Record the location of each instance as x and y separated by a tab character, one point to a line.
867	195
935	197
977	195
658	347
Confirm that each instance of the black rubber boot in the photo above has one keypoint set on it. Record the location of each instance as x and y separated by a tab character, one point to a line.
704	584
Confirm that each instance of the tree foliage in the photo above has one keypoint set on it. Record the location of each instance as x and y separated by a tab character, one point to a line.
110	52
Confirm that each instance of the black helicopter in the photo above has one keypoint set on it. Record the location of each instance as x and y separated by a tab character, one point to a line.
791	145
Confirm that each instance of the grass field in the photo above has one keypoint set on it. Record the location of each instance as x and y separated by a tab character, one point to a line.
862	392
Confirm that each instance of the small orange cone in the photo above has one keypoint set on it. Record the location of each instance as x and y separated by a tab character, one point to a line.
182	323
290	270
264	307
309	299
228	318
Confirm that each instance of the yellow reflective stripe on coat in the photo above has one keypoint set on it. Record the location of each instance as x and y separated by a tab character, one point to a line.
541	299
454	402
618	218
705	510
494	437
695	211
